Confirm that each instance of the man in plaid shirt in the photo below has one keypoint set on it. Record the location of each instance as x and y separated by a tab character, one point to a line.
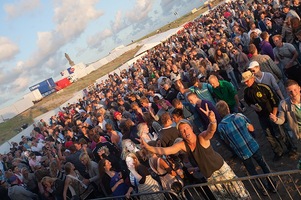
235	130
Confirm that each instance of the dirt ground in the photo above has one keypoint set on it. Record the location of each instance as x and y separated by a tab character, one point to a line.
284	164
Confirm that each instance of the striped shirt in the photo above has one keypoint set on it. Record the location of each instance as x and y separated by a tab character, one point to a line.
233	130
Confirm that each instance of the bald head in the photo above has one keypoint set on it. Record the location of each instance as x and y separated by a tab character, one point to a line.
213	80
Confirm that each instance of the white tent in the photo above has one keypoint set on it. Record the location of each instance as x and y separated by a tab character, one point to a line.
156	40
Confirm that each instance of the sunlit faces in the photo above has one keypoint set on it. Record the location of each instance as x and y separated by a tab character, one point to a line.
130	146
176	118
179	105
249	82
145	128
293	91
118	117
178	84
185	130
214	82
166	86
130	162
174	68
255	69
296	2
192	99
144	104
268	23
277	41
47	184
219	52
69	133
16	170
163	104
107	165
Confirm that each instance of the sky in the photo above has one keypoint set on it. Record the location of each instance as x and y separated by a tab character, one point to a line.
35	34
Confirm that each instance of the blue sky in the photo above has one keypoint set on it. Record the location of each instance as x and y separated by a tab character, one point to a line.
35	34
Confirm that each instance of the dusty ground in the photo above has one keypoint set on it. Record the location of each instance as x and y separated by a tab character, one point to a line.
285	164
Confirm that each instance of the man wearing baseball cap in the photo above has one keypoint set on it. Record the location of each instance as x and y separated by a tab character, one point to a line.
264	101
266	78
16	192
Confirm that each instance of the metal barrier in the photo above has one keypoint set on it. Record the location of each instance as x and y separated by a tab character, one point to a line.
161	195
281	185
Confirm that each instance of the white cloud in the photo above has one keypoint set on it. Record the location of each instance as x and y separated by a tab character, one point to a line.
80	51
96	40
140	11
6	77
138	14
13	83
2	76
20	84
71	18
119	22
19	68
7	49
20	8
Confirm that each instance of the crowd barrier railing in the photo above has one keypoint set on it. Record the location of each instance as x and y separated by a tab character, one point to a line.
160	195
283	185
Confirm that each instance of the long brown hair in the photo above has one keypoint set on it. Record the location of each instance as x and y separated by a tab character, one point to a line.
101	167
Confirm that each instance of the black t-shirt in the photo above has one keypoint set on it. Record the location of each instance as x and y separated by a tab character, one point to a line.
168	136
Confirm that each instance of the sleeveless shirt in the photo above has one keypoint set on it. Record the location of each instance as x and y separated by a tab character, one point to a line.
207	159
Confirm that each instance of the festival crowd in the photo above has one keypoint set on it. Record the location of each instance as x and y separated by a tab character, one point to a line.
151	128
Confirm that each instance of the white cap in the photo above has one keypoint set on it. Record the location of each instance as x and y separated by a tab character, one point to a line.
253	64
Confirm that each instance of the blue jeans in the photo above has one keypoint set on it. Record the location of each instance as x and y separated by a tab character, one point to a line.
248	163
272	132
260	161
231	75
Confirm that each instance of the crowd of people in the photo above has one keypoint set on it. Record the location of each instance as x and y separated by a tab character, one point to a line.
151	127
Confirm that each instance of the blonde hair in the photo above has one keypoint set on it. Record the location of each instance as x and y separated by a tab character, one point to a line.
134	157
85	156
140	128
125	151
53	168
48	179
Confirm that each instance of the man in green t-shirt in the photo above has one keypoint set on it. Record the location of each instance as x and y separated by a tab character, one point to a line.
224	90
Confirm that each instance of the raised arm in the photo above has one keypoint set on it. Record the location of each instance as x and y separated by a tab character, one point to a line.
208	134
163	150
